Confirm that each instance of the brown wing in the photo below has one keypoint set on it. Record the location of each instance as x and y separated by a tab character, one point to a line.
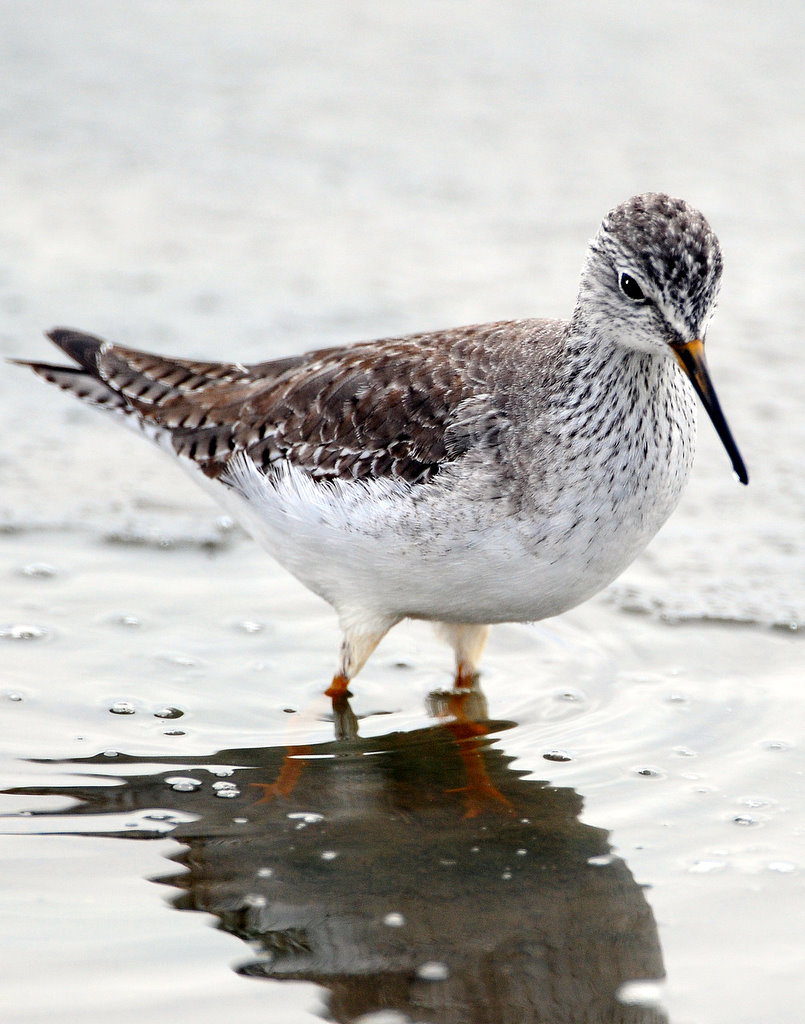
383	408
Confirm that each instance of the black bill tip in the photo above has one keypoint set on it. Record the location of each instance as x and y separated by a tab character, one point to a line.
690	356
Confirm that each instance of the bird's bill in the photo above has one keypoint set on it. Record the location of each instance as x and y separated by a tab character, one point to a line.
690	356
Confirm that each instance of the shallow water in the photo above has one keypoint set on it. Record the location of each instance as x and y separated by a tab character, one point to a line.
208	179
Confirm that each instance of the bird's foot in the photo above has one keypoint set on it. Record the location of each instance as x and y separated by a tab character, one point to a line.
338	688
480	795
290	773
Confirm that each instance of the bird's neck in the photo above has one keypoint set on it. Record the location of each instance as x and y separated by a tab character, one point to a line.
620	404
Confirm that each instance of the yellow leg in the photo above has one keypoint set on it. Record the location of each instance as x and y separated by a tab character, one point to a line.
468	641
357	644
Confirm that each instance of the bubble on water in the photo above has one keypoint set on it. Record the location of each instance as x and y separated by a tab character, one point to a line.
111	753
648	772
183	783
328	854
521	852
39	570
776	745
756	801
433	970
383	1017
173	732
265	872
225	790
640	993
130	621
557	755
706	867
745	820
602	861
183	660
240	821
22	631
250	626
506	875
289	711
14	696
122	707
221	771
168	712
783	867
394	920
572	696
685	752
255	899
305	817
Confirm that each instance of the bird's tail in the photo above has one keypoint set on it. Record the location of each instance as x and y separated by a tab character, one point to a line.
84	380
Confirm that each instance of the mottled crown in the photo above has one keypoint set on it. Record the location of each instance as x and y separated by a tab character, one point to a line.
673	248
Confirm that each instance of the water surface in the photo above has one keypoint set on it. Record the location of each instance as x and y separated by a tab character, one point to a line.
246	180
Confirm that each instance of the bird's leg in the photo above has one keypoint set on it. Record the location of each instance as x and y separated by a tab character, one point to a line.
462	708
468	641
339	687
479	793
356	645
290	773
470	732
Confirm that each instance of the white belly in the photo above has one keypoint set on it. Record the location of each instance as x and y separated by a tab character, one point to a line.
442	551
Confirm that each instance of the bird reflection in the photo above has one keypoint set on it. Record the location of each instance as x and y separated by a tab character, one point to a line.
417	871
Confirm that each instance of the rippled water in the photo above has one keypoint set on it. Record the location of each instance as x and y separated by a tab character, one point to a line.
250	180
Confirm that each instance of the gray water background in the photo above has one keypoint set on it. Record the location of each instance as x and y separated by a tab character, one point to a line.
244	180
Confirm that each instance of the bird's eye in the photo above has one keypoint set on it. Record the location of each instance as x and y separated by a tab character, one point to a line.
631	289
